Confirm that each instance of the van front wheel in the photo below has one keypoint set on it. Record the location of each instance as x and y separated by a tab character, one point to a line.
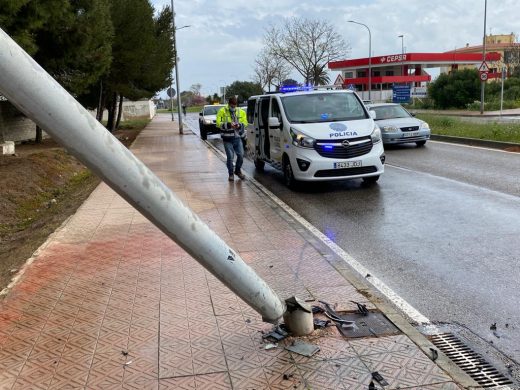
288	175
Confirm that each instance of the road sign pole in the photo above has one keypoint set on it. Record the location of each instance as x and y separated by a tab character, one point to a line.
483	82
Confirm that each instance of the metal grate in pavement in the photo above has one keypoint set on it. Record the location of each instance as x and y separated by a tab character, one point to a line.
469	361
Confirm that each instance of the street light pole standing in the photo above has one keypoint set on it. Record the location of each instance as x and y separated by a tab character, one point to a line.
369	56
176	64
402	53
483	83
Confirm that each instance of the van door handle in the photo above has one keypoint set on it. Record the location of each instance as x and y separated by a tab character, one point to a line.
274	127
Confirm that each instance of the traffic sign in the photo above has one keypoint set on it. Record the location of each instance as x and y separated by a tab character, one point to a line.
483	67
400	93
483	76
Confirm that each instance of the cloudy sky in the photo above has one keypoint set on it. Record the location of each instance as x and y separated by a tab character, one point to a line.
225	36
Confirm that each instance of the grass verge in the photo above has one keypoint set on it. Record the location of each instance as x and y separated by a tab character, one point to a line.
493	131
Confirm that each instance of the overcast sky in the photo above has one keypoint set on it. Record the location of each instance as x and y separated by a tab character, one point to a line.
226	35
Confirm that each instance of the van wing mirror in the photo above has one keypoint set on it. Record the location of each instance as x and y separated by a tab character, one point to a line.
274	122
372	114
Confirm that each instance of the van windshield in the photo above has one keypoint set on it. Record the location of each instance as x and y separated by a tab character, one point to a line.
323	107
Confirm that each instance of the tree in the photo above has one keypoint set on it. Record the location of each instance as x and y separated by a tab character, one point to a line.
270	70
456	89
308	45
71	40
243	89
142	53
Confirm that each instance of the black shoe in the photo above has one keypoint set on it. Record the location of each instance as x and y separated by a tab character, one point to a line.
240	175
231	178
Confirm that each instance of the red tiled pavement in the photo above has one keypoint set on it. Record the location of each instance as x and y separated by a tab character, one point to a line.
112	303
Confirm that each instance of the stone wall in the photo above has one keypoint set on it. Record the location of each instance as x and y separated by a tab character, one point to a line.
15	126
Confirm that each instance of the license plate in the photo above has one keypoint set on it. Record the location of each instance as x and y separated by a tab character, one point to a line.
348	164
412	134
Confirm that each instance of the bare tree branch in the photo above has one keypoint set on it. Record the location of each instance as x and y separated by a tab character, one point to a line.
270	70
307	45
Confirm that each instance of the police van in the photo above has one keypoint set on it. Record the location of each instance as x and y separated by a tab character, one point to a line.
315	135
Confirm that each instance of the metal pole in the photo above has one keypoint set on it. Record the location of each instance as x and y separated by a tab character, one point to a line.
176	64
502	89
41	98
369	56
402	53
171	96
483	83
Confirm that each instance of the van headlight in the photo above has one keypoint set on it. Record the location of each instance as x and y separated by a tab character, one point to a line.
301	140
425	126
376	135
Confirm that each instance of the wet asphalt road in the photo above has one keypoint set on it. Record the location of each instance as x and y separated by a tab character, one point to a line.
441	228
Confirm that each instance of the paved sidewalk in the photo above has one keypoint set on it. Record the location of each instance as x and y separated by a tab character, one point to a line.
110	302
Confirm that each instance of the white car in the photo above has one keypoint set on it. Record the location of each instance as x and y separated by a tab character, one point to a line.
398	126
207	119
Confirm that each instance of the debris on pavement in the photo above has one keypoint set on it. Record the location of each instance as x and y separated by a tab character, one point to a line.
362	309
319	324
493	326
277	334
435	354
270	346
379	378
302	348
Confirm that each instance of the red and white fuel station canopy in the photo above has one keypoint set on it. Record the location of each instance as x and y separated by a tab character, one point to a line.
415	61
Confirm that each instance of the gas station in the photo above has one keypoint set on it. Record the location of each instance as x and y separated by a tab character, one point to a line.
407	69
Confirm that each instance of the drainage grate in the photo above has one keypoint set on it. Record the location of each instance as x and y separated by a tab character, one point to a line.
469	361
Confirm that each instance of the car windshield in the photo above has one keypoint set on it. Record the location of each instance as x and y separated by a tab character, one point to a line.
390	112
323	107
212	110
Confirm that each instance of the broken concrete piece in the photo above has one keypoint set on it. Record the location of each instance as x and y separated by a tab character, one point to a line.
302	348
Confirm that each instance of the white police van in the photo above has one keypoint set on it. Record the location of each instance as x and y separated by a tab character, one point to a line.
315	135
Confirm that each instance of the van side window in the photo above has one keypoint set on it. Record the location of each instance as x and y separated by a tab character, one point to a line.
251	110
275	109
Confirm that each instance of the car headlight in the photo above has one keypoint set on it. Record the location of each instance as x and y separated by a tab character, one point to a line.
425	126
301	140
376	135
390	128
207	121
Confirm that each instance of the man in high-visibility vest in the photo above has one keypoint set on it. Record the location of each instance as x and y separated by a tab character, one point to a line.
232	121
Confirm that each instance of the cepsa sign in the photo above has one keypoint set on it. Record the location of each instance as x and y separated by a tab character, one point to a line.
393	58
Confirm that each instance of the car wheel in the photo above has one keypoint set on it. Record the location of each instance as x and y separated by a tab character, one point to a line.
371	179
259	165
420	143
288	175
203	133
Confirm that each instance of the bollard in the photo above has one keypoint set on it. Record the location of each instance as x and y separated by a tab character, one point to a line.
298	317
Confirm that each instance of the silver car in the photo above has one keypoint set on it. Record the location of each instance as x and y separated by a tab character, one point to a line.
398	126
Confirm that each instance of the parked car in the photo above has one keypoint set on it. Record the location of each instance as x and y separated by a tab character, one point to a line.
207	119
398	125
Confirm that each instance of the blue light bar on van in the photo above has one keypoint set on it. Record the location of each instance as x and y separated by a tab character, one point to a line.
296	88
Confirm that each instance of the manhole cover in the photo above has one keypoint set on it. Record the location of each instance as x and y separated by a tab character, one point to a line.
469	361
372	324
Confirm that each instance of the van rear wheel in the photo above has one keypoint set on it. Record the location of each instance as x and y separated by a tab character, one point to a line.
259	165
288	175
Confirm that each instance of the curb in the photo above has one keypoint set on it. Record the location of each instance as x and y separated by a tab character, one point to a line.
474	142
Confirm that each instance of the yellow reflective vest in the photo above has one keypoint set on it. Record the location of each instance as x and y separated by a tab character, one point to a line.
224	117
